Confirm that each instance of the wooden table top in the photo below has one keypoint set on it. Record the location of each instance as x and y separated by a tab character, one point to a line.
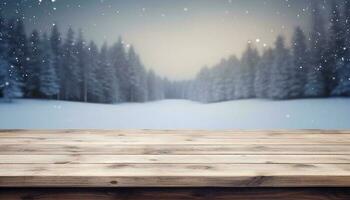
82	158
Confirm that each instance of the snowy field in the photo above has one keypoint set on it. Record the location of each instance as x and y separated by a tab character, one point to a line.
178	114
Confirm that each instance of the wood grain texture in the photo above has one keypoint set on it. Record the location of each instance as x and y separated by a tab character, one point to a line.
176	194
177	175
147	158
169	149
174	159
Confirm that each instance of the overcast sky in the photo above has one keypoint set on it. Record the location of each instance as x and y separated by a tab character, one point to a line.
174	37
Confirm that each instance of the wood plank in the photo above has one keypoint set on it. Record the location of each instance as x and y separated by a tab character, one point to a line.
175	159
219	170
179	140
181	182
177	193
108	134
138	158
112	149
175	175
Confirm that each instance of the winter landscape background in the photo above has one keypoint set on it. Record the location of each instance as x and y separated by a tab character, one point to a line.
297	82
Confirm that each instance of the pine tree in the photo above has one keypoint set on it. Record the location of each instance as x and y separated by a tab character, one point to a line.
4	66
202	87
120	63
155	87
143	90
152	86
56	48
49	84
21	53
230	74
343	73
34	66
138	90
300	60
82	66
336	48
245	83
160	90
316	82
70	78
94	84
280	85
3	52
263	76
13	51
10	85
219	82
12	81
108	79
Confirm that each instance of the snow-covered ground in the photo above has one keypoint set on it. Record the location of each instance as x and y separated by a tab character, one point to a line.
178	114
